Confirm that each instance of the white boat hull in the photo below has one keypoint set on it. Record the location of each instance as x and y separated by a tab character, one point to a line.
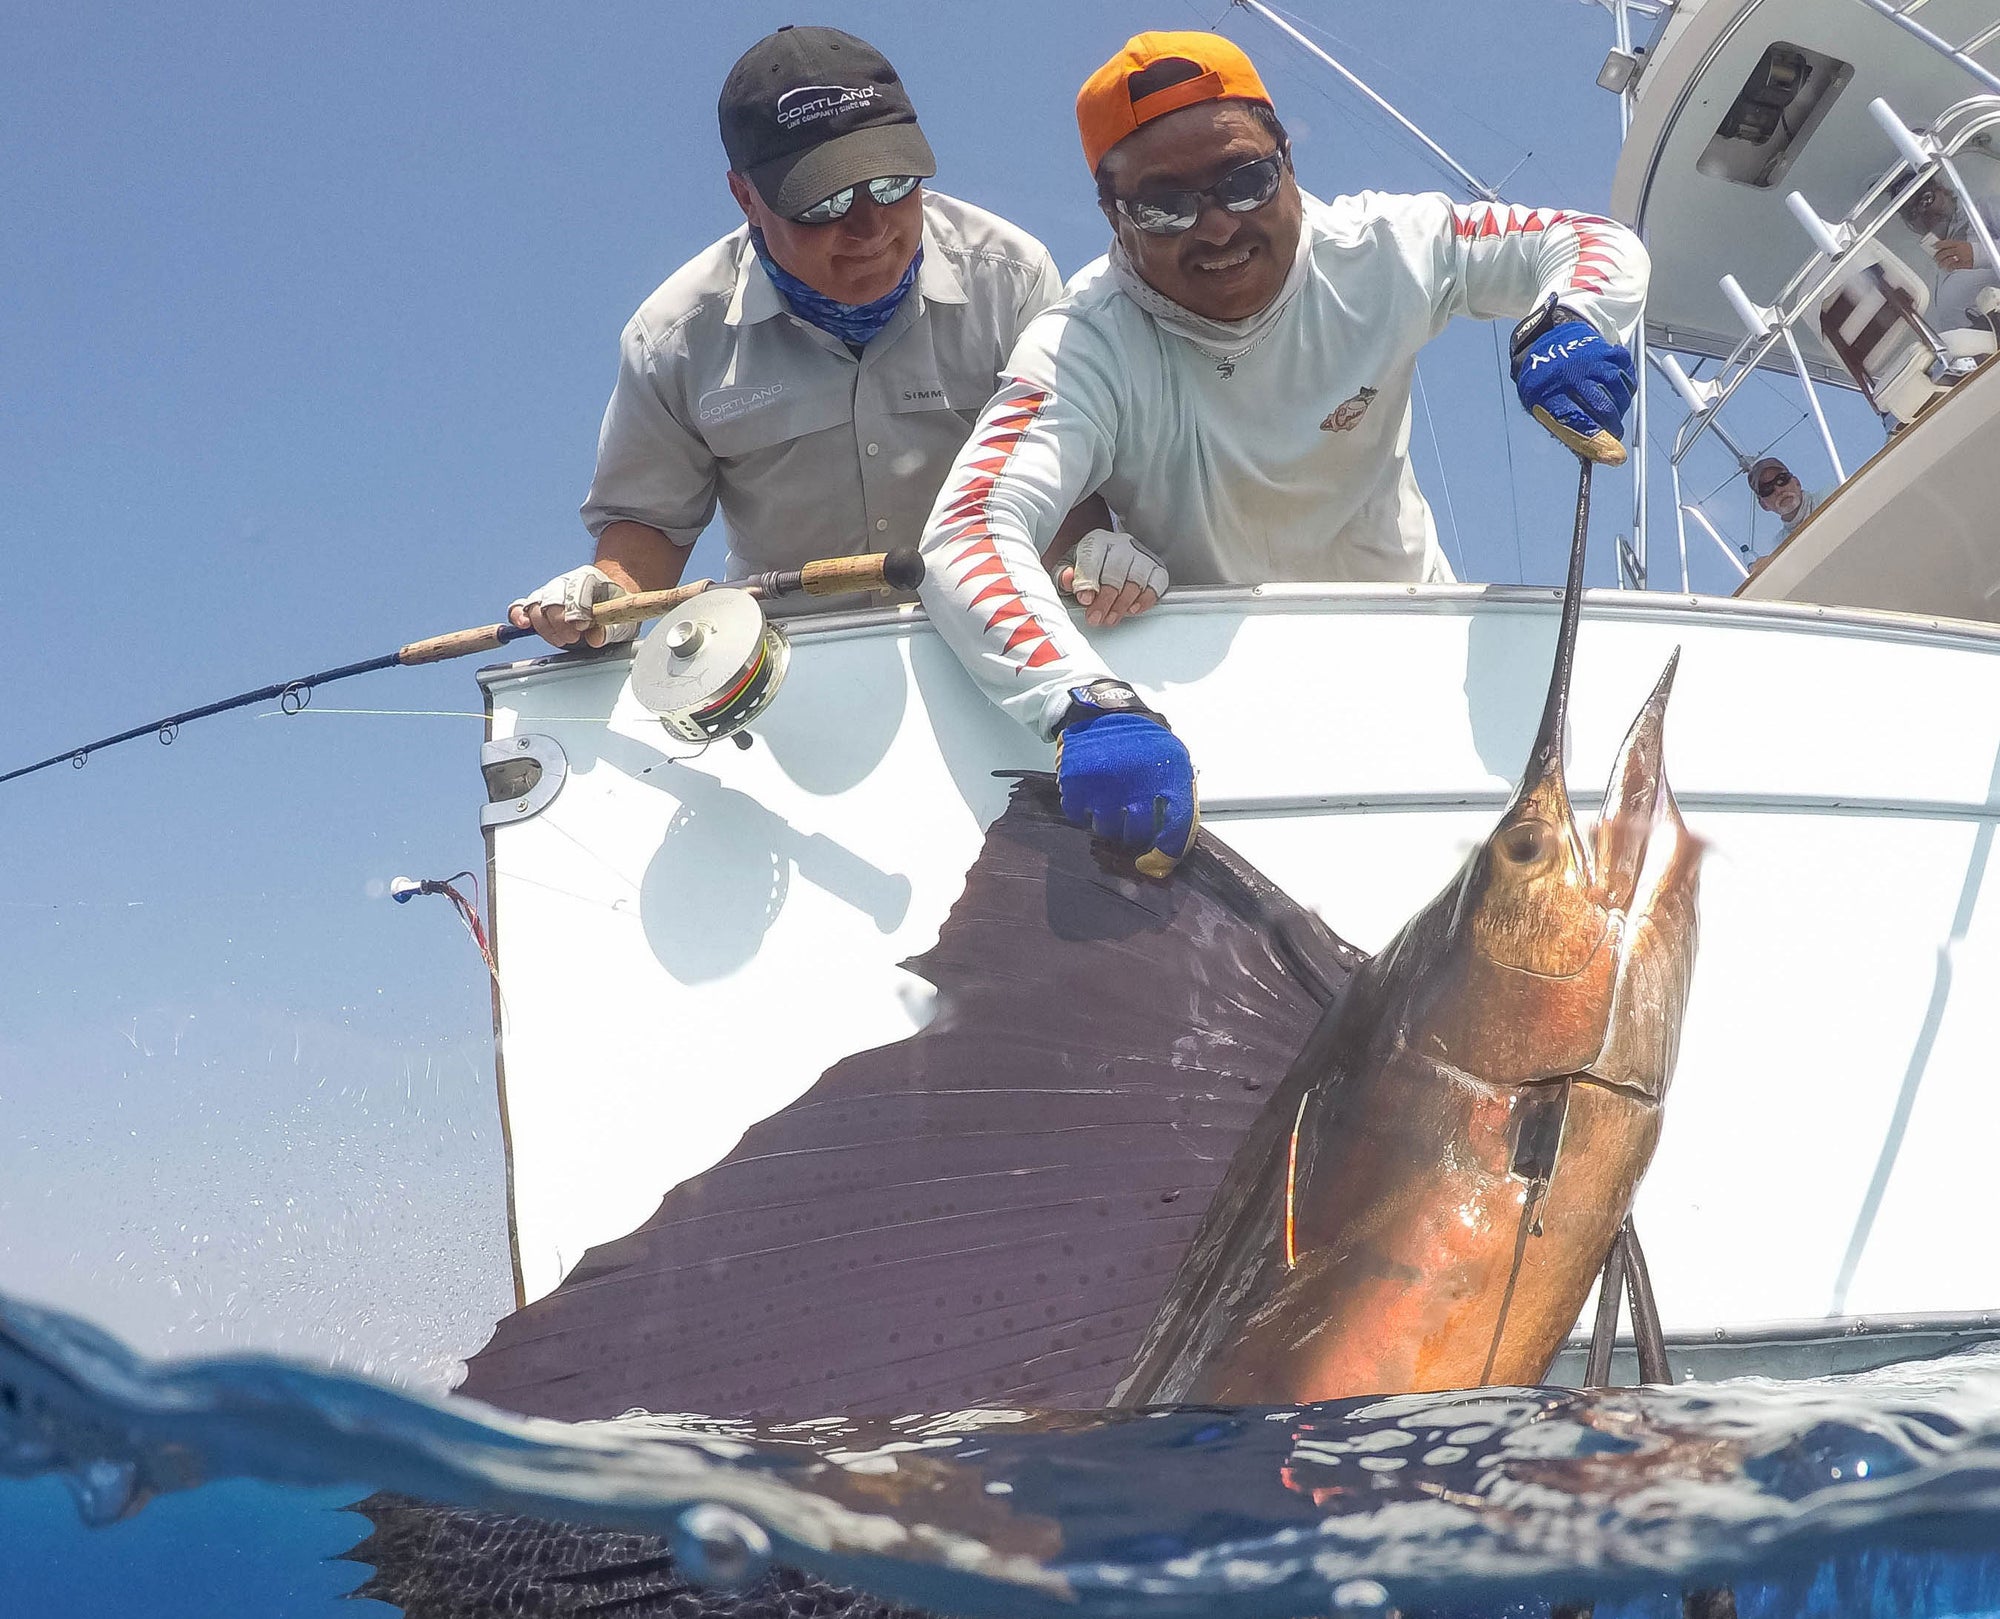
685	946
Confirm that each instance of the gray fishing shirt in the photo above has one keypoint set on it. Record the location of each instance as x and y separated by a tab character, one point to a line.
726	398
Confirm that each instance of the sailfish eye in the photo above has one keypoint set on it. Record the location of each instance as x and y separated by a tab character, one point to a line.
1528	844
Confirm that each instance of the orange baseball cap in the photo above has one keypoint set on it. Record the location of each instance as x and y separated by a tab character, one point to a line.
1106	110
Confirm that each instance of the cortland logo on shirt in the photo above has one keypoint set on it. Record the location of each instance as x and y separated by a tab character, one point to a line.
1347	414
811	102
720	405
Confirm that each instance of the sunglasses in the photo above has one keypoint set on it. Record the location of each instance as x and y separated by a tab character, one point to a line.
1242	189
889	189
1771	483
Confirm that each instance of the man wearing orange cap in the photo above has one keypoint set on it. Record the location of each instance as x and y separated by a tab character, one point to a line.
1234	380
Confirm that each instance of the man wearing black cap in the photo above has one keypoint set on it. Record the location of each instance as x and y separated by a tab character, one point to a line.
813	373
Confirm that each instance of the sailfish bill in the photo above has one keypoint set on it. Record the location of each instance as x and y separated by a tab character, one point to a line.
1440	1176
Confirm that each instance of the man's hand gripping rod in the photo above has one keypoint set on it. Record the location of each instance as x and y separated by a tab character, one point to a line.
902	569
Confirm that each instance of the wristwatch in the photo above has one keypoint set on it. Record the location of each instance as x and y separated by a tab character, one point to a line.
1539	324
1105	697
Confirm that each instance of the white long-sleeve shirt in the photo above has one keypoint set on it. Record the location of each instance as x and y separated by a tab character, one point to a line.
1288	461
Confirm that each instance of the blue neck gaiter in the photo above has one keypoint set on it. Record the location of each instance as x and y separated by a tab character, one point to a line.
851	323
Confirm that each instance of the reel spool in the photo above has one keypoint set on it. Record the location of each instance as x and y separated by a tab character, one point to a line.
711	667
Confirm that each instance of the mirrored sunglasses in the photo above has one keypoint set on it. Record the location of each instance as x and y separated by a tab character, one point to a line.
889	189
1242	189
1771	483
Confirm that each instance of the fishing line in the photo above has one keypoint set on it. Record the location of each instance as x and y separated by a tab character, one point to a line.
1451	511
1507	437
1356	128
901	569
1202	17
431	714
1388	69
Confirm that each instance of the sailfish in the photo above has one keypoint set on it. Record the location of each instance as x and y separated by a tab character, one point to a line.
1426	1200
1175	1140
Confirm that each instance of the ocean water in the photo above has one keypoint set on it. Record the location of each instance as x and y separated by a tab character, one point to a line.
250	1486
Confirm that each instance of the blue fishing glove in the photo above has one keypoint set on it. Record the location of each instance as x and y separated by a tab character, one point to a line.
1573	382
1122	773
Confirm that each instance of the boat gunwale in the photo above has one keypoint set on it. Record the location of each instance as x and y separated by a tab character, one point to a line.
1640	606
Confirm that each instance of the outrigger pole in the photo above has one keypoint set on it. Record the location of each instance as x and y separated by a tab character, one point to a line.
902	569
1478	187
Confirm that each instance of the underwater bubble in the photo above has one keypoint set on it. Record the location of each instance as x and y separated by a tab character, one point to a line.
1360	1599
719	1547
105	1491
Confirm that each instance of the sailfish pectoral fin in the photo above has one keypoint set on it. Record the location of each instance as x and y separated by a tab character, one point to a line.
991	1210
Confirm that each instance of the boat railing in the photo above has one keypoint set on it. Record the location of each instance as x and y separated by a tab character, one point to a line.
1841	248
1844	250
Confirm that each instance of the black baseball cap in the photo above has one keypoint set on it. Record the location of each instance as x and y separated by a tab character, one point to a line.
806	112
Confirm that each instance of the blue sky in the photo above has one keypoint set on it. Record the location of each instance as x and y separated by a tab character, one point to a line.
307	319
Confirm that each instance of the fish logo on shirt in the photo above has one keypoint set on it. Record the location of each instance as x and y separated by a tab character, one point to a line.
1348	413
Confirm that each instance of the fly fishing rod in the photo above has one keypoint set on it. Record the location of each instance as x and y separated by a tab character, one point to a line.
902	569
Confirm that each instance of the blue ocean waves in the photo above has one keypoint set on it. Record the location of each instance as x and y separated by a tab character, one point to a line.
1872	1493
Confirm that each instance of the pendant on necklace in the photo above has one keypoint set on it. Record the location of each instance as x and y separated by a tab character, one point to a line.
1225	369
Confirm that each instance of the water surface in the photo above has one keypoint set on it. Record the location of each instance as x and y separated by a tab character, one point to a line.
224	1487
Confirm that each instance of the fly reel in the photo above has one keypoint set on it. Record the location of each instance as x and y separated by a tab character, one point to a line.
712	666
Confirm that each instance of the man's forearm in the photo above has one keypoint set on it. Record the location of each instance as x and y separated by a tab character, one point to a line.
987	590
640	557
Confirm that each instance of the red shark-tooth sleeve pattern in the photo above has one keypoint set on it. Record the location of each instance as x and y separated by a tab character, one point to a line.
985	586
972	551
1591	264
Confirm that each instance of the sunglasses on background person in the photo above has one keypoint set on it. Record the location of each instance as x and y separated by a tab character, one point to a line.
889	189
1771	483
1242	190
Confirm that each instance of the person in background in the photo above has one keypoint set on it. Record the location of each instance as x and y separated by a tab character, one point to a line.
1780	493
1968	287
814	372
1234	378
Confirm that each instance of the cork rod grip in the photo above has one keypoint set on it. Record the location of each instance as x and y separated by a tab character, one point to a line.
619	610
901	569
647	603
459	644
835	576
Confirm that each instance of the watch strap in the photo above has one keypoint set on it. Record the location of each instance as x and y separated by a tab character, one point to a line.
1538	325
1105	697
